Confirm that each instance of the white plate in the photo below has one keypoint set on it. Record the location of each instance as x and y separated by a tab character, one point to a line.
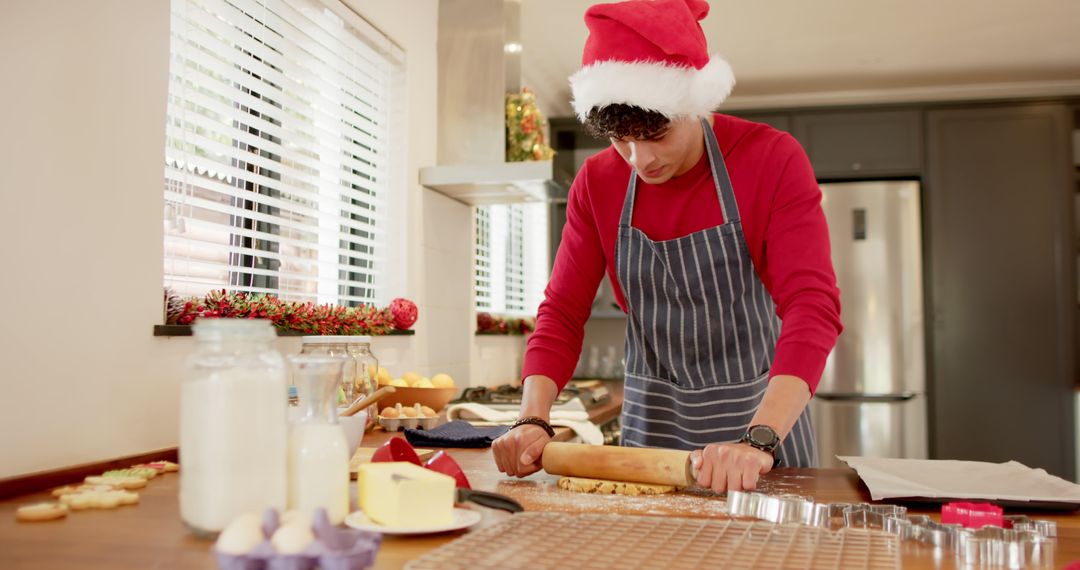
463	518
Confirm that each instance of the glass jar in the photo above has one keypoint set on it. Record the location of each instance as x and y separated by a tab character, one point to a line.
233	426
367	366
333	346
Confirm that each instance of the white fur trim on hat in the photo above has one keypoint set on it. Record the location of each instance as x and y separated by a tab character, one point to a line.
670	90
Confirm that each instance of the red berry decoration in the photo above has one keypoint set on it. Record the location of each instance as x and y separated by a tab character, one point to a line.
404	313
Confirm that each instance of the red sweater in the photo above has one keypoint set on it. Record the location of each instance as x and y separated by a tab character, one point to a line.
780	205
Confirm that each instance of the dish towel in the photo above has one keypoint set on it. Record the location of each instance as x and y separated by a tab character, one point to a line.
455	434
577	421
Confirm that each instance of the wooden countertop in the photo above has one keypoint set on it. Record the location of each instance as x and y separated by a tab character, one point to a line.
151	535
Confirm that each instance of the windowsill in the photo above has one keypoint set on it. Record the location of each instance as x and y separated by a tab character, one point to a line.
185	330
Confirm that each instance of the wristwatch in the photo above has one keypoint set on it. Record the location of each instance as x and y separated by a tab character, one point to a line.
764	438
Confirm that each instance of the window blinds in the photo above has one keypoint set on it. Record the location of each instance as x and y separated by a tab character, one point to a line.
511	258
277	144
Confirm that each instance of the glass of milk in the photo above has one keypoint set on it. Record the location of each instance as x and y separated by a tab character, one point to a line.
318	453
232	424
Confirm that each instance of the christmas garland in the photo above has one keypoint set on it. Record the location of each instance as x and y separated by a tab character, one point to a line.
525	128
292	316
486	323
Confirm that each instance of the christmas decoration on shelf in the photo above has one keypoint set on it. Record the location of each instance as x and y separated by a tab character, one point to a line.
525	128
486	323
404	313
291	316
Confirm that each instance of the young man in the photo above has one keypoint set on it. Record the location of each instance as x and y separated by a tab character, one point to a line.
711	231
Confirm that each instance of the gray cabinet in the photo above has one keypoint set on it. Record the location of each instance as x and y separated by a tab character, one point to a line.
779	121
1002	285
861	144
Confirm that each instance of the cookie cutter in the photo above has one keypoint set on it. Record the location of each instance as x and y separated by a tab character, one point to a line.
788	509
1029	543
996	546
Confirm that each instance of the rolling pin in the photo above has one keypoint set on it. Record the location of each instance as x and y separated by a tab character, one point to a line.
632	464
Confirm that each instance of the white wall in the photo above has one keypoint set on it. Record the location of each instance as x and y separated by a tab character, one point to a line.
82	117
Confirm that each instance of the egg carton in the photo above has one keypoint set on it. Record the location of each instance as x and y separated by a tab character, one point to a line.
397	424
1028	544
421	421
332	549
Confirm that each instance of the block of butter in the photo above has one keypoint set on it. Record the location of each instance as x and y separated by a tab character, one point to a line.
405	494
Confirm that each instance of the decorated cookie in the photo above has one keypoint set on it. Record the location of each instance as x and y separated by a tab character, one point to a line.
117	481
73	489
99	500
144	472
41	512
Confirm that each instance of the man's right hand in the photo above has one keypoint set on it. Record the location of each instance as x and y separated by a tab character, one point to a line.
518	451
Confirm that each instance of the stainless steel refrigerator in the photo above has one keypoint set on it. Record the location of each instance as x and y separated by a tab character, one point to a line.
872	396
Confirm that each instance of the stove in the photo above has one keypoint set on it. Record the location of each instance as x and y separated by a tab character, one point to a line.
582	397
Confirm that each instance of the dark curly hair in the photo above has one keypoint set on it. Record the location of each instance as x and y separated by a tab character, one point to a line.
619	120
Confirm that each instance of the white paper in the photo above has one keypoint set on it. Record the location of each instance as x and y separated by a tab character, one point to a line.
889	478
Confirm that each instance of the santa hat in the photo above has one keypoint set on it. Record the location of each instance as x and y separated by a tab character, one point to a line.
652	54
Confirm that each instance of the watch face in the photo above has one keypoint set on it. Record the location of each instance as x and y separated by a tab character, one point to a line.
763	435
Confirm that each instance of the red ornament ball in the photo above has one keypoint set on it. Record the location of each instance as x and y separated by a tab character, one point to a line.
404	312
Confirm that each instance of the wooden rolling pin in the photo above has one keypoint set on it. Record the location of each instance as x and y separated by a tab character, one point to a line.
633	464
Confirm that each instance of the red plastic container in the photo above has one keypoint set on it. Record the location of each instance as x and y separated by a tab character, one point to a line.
972	515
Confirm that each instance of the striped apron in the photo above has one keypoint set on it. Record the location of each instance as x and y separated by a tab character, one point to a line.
700	335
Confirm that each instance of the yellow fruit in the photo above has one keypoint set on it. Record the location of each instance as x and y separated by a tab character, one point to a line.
442	381
423	383
384	376
399	383
411	377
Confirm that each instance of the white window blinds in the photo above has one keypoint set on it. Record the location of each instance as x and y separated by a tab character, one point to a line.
277	150
511	258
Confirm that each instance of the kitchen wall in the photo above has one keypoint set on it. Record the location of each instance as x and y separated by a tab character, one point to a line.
81	166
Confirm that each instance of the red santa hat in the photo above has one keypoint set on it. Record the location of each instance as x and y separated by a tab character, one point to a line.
652	54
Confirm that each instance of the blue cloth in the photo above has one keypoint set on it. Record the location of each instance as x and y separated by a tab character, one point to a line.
455	434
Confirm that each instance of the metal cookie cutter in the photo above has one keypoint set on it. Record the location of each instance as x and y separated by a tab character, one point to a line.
996	546
1023	522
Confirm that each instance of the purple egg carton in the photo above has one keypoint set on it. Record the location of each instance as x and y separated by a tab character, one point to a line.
333	549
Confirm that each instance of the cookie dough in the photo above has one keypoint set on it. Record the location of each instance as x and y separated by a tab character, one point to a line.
582	485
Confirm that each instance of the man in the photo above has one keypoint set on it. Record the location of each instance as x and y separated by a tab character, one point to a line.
711	231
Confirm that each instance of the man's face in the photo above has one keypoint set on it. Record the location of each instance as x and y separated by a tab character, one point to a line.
666	154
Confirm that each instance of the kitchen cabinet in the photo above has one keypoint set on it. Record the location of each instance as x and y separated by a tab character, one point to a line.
779	121
1002	285
861	144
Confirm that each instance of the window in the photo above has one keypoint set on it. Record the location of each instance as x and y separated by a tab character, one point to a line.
278	150
511	258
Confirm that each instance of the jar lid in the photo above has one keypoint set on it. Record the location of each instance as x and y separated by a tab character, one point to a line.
214	329
335	339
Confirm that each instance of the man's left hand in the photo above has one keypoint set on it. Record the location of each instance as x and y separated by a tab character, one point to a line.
725	467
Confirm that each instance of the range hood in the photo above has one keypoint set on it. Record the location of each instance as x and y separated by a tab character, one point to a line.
479	63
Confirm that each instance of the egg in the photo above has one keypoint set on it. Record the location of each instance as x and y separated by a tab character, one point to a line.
409	412
292	539
389	413
241	536
411	377
428	412
441	380
399	382
423	383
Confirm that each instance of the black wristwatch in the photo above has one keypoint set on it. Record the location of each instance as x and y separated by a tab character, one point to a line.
764	438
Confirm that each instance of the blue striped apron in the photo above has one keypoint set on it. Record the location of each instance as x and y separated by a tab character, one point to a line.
700	335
